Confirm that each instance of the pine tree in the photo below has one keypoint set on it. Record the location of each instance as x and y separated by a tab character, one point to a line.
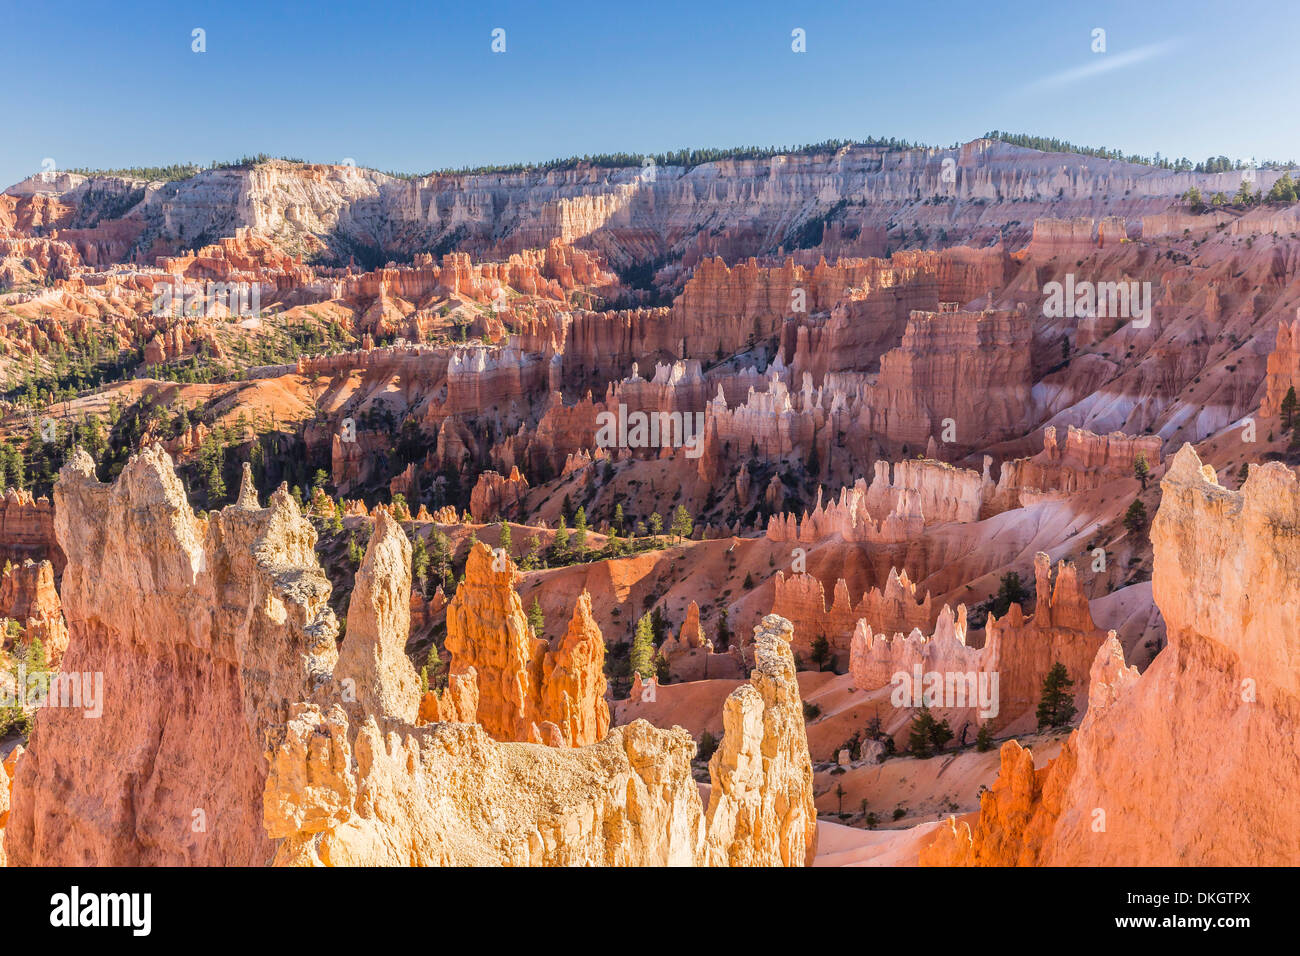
35	658
420	564
580	530
1010	591
658	625
940	734
1135	519
661	667
505	541
683	524
216	483
618	518
821	651
536	619
561	537
874	727
1284	190
440	557
36	664
429	672
533	559
984	739
921	735
1288	407
656	524
724	630
1056	708
641	658
1141	469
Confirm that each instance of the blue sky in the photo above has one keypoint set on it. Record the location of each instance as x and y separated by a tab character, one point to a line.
415	86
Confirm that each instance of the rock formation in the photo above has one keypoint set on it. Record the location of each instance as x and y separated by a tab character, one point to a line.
361	791
199	647
857	320
341	777
921	492
1019	650
495	496
1165	768
373	655
488	631
27	529
524	685
457	703
1085	461
571	695
761	809
387	793
691	657
6	792
28	596
802	600
1283	367
4	811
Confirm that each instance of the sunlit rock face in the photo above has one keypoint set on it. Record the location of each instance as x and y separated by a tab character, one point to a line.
201	630
239	708
350	788
526	689
1190	763
1018	652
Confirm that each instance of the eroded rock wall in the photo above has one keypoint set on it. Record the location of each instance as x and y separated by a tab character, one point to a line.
1019	650
28	596
527	690
350	788
243	737
201	630
1193	762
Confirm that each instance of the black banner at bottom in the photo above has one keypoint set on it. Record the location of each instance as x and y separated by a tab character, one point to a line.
219	905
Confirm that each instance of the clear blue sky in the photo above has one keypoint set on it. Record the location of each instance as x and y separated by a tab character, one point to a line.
415	86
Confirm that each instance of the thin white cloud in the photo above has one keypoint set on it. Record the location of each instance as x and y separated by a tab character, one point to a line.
1102	63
